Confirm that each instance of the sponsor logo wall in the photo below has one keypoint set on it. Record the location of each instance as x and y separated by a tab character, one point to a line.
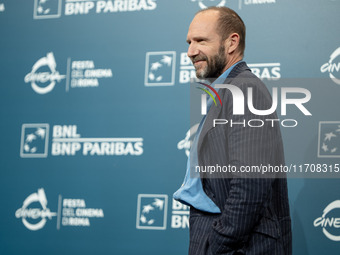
96	132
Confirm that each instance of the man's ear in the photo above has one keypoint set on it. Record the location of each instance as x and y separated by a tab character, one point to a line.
232	43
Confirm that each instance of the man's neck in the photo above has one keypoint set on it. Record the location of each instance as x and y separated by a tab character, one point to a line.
232	60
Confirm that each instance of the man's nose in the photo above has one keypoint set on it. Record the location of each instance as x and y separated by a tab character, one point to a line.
192	50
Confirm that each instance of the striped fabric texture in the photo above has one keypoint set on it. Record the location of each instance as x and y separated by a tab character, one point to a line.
255	216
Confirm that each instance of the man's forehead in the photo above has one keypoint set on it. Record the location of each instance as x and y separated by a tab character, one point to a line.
209	16
205	21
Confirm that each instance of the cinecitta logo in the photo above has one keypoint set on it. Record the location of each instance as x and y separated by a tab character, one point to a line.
43	78
329	222
331	67
25	212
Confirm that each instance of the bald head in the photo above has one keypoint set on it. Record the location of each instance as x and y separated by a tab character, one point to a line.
205	24
211	51
228	22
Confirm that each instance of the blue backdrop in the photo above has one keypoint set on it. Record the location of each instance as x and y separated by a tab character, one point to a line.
94	102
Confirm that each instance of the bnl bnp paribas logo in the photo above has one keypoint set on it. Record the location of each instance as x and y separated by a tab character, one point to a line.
34	140
44	76
71	212
329	139
44	9
48	9
152	213
332	67
66	141
160	69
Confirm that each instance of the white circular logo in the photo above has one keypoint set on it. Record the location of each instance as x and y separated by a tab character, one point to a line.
333	67
328	222
25	212
35	77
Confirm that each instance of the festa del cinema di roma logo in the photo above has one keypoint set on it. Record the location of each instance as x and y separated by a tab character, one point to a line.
152	213
80	74
72	212
328	222
35	218
43	81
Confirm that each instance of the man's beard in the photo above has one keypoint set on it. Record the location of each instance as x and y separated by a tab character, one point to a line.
214	66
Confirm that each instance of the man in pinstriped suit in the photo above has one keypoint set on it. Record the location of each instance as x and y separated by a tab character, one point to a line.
251	215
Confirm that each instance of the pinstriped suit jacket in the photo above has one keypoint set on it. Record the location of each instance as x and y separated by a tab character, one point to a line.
255	216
